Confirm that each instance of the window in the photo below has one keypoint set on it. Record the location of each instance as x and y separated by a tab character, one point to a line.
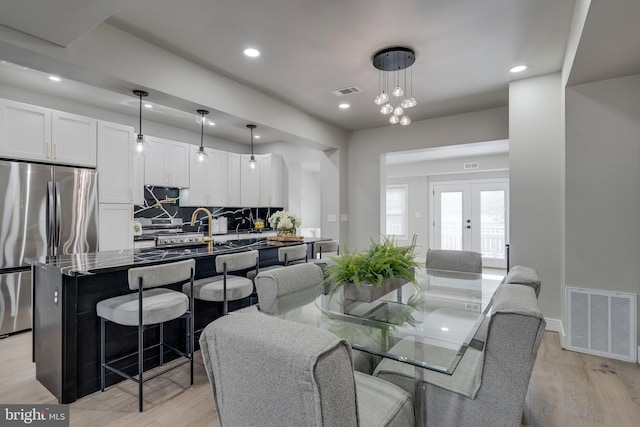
396	208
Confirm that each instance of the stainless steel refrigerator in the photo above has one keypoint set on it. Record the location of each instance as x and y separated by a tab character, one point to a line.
44	210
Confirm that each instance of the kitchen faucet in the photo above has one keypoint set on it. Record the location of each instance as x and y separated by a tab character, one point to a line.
208	239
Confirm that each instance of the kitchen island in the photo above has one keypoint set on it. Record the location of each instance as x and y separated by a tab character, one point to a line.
66	328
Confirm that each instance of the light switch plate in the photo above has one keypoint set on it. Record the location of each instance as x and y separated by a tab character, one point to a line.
344	217
332	217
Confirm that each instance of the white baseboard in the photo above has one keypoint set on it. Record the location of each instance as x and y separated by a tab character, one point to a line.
555	325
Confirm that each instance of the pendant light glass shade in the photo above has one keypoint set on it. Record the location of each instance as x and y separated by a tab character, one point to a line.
395	78
253	163
200	156
140	147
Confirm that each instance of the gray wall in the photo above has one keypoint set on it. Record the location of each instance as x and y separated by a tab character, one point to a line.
419	175
603	185
367	176
536	179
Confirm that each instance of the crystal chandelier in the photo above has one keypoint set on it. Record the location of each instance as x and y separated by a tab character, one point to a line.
395	96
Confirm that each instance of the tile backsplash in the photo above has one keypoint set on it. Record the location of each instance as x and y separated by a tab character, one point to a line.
162	202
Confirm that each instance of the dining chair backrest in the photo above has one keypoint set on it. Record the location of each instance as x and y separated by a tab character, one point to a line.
442	259
160	275
292	374
273	285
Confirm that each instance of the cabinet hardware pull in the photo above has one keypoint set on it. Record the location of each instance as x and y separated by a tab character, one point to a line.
48	150
55	151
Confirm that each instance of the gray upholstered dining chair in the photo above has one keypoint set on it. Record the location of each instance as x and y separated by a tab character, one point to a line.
521	275
489	386
149	306
266	371
272	287
466	261
283	290
226	287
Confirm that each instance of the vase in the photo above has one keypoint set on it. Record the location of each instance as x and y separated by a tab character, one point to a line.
368	292
286	232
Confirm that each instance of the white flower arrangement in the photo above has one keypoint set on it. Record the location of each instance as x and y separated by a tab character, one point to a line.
284	220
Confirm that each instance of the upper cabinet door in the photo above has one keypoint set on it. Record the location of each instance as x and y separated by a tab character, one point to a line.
74	139
249	182
177	163
115	182
25	131
277	185
154	168
233	180
217	178
167	163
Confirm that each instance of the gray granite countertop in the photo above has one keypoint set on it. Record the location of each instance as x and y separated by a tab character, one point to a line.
96	262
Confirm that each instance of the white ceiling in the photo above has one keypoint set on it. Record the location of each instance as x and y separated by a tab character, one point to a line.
464	48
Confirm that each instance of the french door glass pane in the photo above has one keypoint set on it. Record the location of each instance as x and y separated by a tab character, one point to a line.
492	224
451	220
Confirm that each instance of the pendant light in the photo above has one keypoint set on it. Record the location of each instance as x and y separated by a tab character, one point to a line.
141	146
392	65
200	155
253	163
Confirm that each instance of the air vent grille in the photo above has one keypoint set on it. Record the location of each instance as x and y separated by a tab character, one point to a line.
346	91
471	165
602	323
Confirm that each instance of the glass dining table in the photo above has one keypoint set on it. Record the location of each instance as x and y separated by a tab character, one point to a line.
429	324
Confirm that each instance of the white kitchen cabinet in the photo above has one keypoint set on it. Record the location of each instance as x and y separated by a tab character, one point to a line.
73	139
115	226
270	167
249	182
207	181
233	180
115	163
25	131
30	132
167	163
263	186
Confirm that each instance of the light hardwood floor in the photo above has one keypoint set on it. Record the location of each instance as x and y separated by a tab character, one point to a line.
566	389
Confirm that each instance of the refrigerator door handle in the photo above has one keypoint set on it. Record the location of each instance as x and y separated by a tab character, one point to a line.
50	218
58	218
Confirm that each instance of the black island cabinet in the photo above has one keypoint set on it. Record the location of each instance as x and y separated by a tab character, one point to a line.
66	328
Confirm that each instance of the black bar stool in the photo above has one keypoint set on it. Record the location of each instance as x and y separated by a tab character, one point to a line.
149	307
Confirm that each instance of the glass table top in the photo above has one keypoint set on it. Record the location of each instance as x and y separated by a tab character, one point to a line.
429	324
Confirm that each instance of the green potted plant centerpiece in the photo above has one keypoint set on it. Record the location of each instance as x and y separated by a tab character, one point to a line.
368	275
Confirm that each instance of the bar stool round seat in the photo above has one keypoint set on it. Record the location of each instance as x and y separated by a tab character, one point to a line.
158	306
226	287
212	288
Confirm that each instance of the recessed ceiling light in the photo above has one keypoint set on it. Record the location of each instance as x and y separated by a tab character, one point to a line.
251	52
55	78
210	123
444	329
518	68
256	136
344	106
148	106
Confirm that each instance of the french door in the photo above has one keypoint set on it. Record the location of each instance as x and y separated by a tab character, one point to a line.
472	216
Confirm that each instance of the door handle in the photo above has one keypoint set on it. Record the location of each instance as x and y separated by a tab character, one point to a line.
50	217
58	218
